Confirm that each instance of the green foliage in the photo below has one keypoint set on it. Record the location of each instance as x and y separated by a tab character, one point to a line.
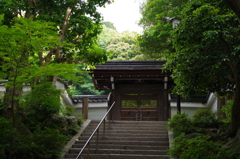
44	143
180	123
73	130
72	90
80	120
207	53
109	25
40	104
85	87
200	147
227	109
105	36
82	26
67	110
201	62
156	40
206	118
123	46
6	135
18	43
33	43
120	46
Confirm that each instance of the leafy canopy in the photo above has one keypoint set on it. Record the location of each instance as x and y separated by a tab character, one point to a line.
207	49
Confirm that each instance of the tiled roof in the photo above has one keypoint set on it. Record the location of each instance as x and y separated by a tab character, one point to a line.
131	65
91	98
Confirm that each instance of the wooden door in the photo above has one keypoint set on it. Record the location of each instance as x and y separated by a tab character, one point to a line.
140	107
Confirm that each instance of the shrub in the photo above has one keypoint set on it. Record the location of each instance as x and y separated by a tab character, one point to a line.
198	148
6	136
227	110
67	110
180	123
206	118
80	120
40	104
43	144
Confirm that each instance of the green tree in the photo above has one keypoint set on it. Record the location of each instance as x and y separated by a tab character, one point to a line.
124	46
109	25
207	53
18	45
35	51
120	46
84	87
156	40
105	36
76	23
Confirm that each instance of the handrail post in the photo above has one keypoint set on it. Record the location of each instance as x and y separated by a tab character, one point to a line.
89	150
112	116
104	127
109	119
97	140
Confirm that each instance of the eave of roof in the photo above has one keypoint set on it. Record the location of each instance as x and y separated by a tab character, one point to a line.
131	65
91	98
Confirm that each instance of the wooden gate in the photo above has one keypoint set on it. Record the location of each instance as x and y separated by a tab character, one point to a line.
140	107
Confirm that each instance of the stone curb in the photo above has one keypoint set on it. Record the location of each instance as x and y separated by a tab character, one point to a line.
170	137
74	138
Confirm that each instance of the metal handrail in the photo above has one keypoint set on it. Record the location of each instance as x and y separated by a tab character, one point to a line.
96	130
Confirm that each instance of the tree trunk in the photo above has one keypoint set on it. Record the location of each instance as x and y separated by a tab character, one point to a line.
234	5
10	103
31	9
235	119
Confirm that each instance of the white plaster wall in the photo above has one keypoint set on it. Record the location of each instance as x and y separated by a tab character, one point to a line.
25	90
95	110
65	99
93	113
191	108
60	85
187	107
2	91
212	102
92	105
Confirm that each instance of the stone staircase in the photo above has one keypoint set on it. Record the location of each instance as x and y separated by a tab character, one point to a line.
125	140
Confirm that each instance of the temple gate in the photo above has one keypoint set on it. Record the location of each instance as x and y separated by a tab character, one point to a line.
139	88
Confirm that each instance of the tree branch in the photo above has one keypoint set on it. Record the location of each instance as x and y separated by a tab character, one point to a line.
65	23
40	56
76	61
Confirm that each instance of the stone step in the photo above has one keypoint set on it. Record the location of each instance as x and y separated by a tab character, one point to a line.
129	122
127	138
140	123
134	125
119	151
114	142
113	146
124	140
128	128
130	131
109	134
117	156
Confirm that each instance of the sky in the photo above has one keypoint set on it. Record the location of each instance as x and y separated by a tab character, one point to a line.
124	14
